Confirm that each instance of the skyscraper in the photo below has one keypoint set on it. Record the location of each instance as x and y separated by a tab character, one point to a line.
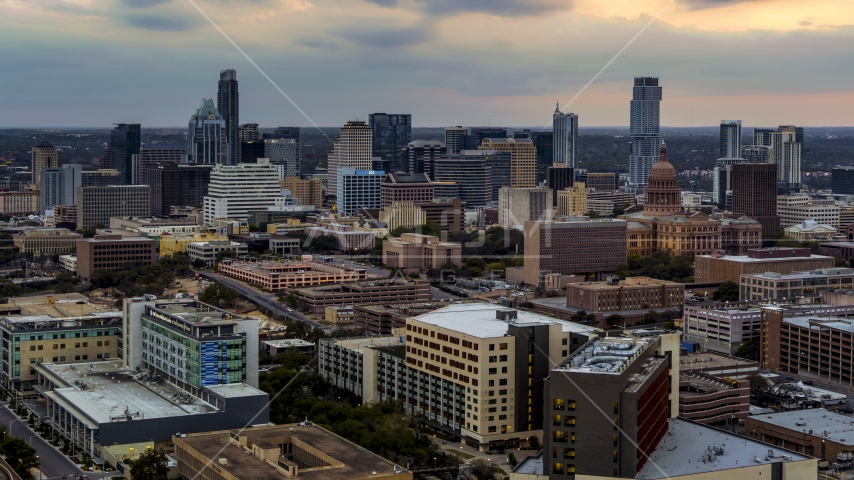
730	139
455	139
155	153
475	136
44	155
176	185
420	155
722	181
754	193
565	128
248	132
228	104
523	163
756	153
206	139
391	134
283	148
59	186
786	153
645	128
762	136
544	143
125	141
352	148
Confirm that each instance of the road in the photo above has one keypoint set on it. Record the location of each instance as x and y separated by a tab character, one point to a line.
53	463
265	301
353	264
442	295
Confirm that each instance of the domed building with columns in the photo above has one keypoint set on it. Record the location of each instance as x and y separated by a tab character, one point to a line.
664	225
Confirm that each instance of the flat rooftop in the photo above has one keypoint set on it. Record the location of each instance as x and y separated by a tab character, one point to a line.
197	313
824	272
839	428
288	342
711	361
609	355
479	320
837	323
746	259
350	460
689	448
357	344
295	269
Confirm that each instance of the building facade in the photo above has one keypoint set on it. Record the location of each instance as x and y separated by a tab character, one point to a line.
405	187
46	241
390	134
523	159
125	142
284	154
174	184
207	251
722	268
113	253
228	105
59	186
234	190
353	148
44	155
644	128
573	201
565	146
359	189
730	139
754	194
207	140
420	156
308	192
95	205
519	205
798	208
417	251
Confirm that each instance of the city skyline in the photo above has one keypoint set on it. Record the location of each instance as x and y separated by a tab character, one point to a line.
300	44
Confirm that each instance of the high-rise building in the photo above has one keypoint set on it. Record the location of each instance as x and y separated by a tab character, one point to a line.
59	186
308	192
95	205
730	139
247	132
284	154
475	136
762	136
722	181
405	186
470	170
391	133
250	152
419	156
544	143
786	153
756	153
174	184
500	166
228	104
359	189
455	139
100	178
842	180
523	159
645	128
559	178
44	155
573	200
235	190
352	148
565	131
155	153
284	132
125	141
206	139
519	205
754	193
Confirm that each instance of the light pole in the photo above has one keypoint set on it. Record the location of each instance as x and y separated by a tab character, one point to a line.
11	422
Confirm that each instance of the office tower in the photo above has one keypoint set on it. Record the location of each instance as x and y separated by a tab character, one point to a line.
250	152
762	136
352	148
235	190
206	139
44	155
59	186
722	181
730	139
248	132
284	154
754	194
391	133
151	154
284	132
475	136
419	156
786	153
125	142
455	139
228	105
472	171
500	168
175	184
559	178
308	192
645	128
572	201
95	205
406	187
565	131
100	178
602	182
842	180
523	159
756	153
358	189
519	205
544	143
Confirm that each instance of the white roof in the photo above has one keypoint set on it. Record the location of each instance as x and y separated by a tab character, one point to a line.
478	320
287	342
832	426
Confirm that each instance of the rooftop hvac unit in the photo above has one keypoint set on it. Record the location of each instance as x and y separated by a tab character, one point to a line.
223	461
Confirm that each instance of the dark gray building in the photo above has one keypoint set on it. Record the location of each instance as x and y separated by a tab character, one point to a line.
722	181
290	133
125	141
420	156
228	105
558	179
474	172
730	139
391	133
842	180
756	153
176	185
544	142
475	136
59	186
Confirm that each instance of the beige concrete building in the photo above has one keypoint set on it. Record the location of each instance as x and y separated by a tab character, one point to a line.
405	186
44	155
275	276
573	201
798	208
208	250
172	244
113	253
523	159
810	230
309	192
340	314
722	268
402	214
417	251
46	240
16	203
519	205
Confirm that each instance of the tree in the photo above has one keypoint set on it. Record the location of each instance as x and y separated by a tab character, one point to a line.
151	465
102	278
651	316
216	292
534	442
615	320
583	317
592	214
511	459
20	456
727	291
482	470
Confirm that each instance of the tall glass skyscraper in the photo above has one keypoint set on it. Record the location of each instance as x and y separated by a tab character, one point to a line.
206	140
228	104
125	141
391	134
644	128
565	146
730	139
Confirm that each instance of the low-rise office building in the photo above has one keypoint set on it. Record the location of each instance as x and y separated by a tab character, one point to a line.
771	286
348	237
276	347
417	251
815	432
721	268
171	244
275	276
380	291
798	208
206	252
113	253
68	263
631	298
46	241
340	314
151	226
279	451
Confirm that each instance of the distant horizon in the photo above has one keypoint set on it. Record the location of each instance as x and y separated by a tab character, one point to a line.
594	127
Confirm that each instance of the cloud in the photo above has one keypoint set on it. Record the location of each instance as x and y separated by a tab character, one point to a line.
318	44
804	23
160	23
705	4
494	7
393	37
142	3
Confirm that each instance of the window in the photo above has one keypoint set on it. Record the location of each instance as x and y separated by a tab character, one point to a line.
503	358
558	404
560	436
568	453
32	348
557	468
556	420
502	346
41	347
569	421
616	408
77	345
616	440
502	392
492	383
55	359
493	371
100	343
77	357
55	346
493	359
503	369
62	358
502	381
563	341
32	360
570	404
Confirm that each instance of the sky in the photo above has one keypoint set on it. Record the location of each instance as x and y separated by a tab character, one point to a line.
85	63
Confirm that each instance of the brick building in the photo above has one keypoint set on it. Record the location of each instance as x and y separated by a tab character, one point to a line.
404	186
721	268
113	253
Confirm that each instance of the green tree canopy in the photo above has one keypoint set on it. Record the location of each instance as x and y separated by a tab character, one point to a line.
20	456
151	465
727	291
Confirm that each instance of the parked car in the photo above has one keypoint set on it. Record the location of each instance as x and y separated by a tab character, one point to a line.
808	382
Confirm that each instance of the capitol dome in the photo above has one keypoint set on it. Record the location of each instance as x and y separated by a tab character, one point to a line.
662	195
